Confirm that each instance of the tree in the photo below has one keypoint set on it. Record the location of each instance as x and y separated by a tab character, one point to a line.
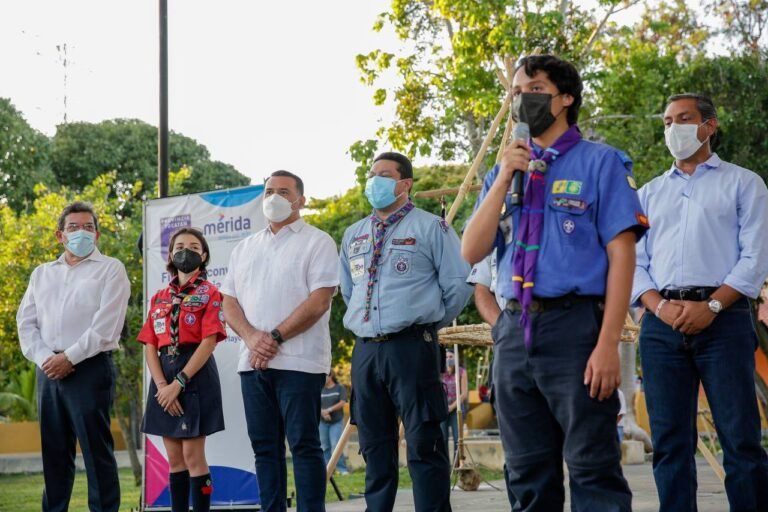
83	151
447	90
24	158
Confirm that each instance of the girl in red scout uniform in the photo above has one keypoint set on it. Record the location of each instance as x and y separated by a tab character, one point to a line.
184	324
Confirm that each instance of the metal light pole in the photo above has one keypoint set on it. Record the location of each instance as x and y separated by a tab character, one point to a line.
162	131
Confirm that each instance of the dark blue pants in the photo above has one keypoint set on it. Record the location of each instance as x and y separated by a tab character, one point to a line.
73	409
280	405
451	423
401	378
545	414
722	358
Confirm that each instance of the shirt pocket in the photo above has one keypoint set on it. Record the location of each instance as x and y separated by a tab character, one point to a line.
86	294
574	221
400	261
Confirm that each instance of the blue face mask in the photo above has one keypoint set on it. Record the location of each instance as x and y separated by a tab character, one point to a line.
81	243
380	191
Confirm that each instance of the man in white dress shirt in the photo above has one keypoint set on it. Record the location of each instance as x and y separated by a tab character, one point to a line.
69	322
277	298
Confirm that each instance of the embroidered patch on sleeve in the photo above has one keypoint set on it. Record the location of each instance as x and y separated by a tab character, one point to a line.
642	220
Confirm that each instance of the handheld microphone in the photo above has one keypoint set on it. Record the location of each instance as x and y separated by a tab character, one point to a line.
521	132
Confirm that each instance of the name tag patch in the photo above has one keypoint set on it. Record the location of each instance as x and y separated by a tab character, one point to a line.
576	204
359	247
357	267
571	187
404	241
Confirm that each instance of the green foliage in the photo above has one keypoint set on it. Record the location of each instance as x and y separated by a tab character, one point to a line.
18	401
83	151
23	158
447	91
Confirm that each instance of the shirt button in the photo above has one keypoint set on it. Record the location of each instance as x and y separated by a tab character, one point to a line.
375	308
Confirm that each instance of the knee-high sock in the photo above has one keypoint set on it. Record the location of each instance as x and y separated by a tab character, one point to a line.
202	488
179	485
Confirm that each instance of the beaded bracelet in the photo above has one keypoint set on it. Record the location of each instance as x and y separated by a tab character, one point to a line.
182	379
659	306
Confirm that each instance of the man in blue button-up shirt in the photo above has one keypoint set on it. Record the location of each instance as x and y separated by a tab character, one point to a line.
555	391
402	277
705	254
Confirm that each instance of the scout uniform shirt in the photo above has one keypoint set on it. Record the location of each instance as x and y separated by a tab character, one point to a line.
420	279
591	197
200	316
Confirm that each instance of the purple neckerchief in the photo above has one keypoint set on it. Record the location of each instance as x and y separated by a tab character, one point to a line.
378	243
528	239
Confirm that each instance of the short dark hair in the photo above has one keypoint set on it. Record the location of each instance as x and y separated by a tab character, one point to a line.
170	267
560	72
288	174
77	207
404	166
704	104
706	108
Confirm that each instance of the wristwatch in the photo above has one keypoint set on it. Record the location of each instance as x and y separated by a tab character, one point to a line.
277	336
715	306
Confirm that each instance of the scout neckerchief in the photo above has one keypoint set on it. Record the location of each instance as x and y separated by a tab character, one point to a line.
531	221
178	297
378	243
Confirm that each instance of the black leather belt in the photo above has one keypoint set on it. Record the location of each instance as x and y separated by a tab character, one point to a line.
419	329
540	304
695	294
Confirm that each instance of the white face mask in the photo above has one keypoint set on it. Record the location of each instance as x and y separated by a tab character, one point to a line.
276	208
682	140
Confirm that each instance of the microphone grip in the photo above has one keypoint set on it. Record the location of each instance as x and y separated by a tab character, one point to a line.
516	189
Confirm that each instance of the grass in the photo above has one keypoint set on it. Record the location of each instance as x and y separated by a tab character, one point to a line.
22	493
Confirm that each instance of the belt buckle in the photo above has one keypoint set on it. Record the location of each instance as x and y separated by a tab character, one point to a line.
686	294
379	339
536	307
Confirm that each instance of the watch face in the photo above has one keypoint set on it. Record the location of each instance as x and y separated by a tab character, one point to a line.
715	306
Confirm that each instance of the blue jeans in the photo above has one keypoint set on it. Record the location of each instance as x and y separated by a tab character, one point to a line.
452	423
722	359
546	415
280	405
330	433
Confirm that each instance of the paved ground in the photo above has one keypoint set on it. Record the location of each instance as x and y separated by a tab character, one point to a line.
487	499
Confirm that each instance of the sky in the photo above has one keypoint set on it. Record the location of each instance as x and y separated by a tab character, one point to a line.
263	85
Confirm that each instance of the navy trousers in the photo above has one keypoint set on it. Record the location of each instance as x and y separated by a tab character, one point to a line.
722	358
73	409
546	415
280	405
400	378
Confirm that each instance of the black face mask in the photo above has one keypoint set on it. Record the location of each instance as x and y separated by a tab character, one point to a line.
534	109
187	261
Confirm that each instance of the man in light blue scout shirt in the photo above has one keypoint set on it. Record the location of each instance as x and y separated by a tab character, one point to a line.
705	254
402	277
565	265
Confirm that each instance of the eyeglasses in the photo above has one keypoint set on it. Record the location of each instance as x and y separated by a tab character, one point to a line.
72	227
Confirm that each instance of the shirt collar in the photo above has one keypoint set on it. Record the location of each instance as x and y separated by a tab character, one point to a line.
294	226
713	162
94	256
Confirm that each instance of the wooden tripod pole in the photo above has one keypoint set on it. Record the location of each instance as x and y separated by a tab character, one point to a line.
459	414
469	178
336	455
